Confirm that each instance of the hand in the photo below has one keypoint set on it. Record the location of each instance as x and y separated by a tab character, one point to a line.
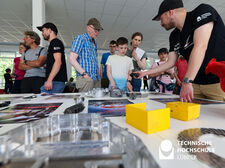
129	87
140	74
162	73
169	72
179	83
134	54
113	85
86	76
48	85
186	93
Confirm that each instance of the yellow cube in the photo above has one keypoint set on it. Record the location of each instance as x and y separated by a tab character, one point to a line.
183	111
147	121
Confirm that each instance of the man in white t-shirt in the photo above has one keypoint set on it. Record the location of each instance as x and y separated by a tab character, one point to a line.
119	67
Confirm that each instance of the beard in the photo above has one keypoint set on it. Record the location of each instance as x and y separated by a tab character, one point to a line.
46	37
168	26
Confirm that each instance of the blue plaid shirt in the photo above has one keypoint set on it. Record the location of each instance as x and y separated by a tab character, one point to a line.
86	48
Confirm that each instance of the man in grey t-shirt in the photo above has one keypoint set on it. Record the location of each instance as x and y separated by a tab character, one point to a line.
33	61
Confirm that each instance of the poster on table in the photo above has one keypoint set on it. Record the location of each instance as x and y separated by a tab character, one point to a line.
26	112
57	97
109	108
196	100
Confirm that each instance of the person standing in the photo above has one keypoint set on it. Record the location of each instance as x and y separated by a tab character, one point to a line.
163	78
103	70
56	73
145	81
8	81
84	57
199	36
119	67
180	71
17	73
138	62
33	61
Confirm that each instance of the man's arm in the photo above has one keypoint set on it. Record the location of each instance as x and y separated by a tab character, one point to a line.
73	61
23	66
129	86
37	63
172	58
101	70
201	40
109	74
55	69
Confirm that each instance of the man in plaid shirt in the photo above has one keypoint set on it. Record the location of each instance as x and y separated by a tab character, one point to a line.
84	57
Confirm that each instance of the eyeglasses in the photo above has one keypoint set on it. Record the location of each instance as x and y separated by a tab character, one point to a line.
96	30
112	46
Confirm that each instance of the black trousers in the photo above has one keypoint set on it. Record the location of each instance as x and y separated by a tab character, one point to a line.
32	84
8	87
16	87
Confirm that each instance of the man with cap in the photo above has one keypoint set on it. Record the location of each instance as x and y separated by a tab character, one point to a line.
56	73
33	61
198	36
84	57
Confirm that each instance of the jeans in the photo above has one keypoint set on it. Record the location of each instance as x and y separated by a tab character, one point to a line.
57	87
136	83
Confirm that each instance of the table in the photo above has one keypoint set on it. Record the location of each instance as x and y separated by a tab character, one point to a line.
211	116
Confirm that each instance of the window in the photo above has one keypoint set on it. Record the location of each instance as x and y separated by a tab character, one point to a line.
6	61
74	74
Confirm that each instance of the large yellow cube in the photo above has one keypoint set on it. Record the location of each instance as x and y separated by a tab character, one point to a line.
184	111
147	121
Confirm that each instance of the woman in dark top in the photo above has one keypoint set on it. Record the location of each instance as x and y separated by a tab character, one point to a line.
139	62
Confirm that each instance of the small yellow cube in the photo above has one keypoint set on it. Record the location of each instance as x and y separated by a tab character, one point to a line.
184	111
147	121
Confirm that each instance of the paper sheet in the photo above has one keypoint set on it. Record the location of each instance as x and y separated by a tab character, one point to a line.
140	52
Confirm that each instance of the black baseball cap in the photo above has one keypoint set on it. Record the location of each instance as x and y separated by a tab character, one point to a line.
48	25
167	5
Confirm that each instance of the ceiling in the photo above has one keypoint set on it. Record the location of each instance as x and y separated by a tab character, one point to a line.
118	17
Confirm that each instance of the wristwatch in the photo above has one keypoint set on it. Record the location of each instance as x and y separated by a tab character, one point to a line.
187	80
84	73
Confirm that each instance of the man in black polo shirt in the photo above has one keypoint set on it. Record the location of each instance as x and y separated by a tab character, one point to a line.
56	73
198	36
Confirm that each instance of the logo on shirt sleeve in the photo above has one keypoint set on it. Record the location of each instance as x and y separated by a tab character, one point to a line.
203	16
56	48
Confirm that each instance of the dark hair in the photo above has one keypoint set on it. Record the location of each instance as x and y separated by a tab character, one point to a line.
8	70
121	41
163	51
137	34
112	42
33	35
71	79
23	44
